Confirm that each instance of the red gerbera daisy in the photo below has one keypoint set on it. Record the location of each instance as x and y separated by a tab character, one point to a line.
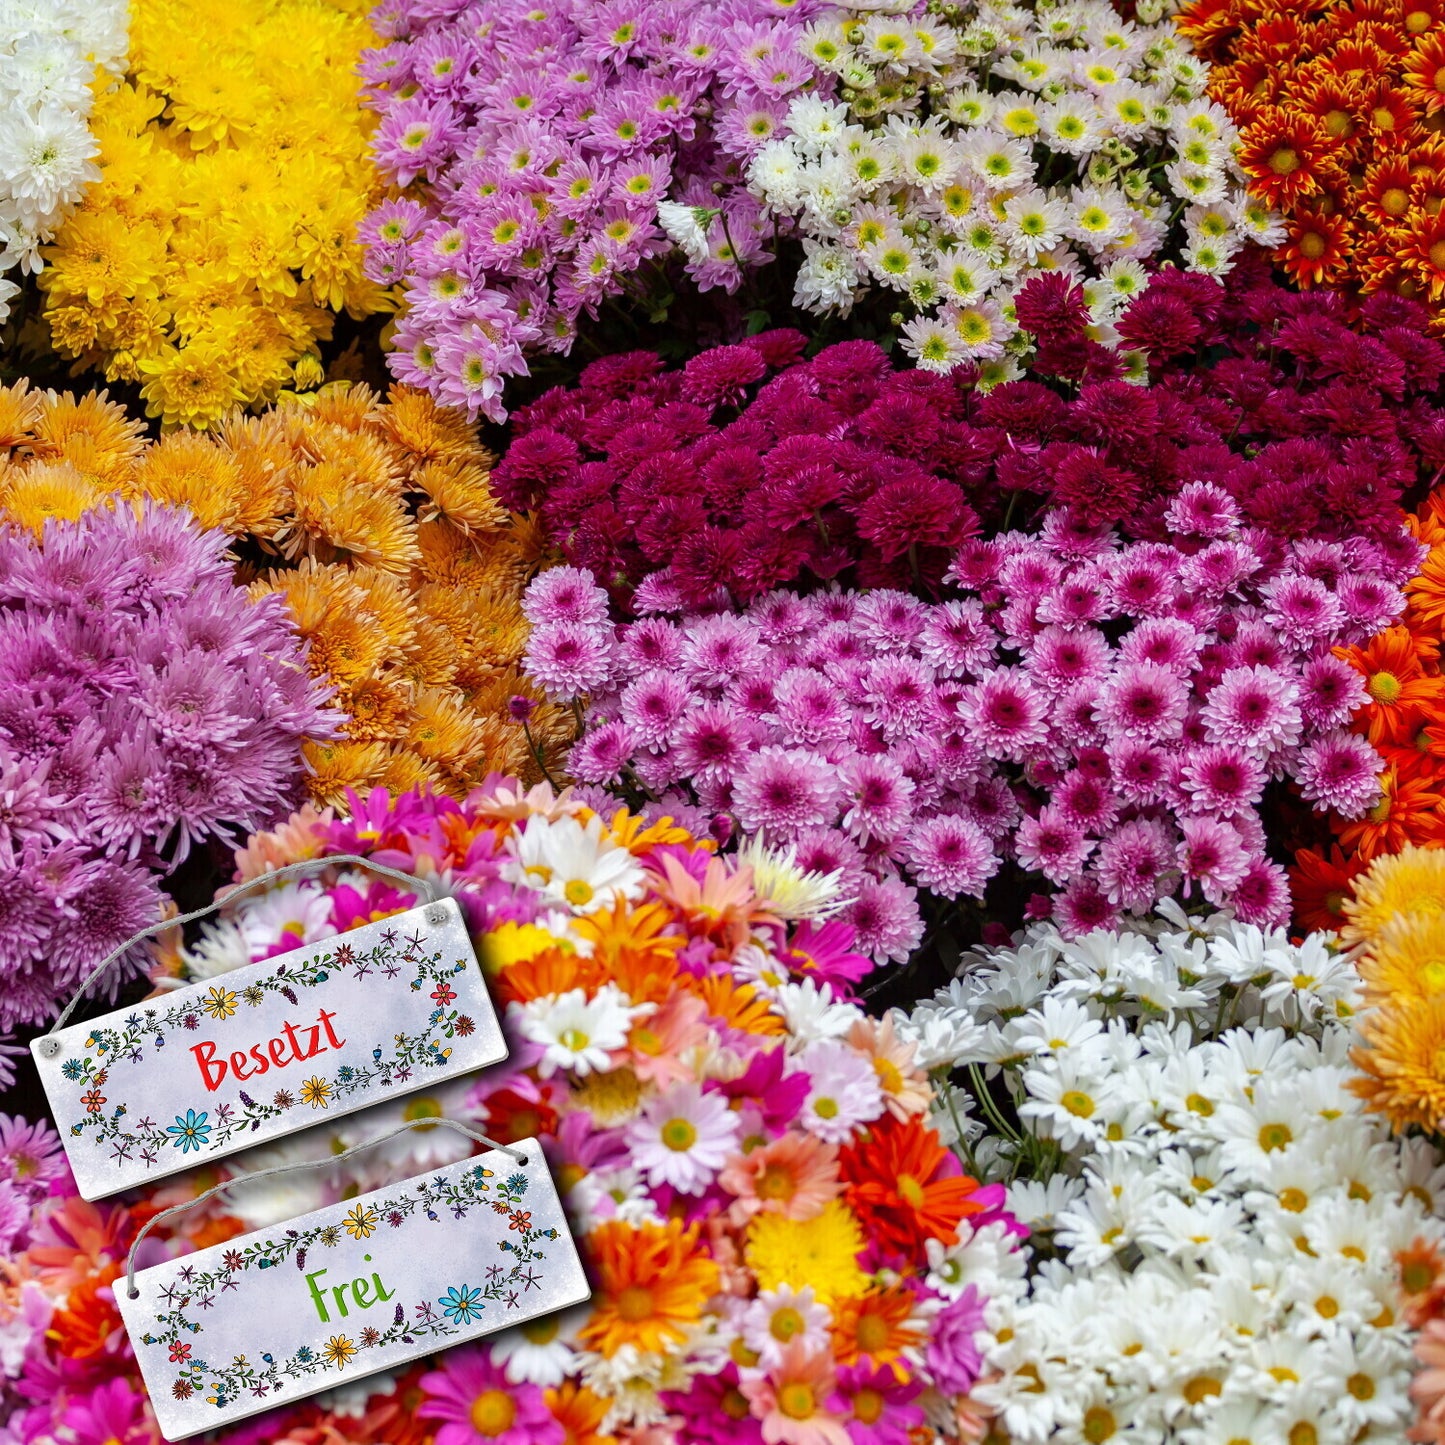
903	1184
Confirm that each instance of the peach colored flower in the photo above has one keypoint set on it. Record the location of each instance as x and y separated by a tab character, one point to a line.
794	1402
795	1176
1427	1389
660	1044
906	1090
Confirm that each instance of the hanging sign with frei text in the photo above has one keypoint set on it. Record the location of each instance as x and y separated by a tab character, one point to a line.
269	1049
365	1285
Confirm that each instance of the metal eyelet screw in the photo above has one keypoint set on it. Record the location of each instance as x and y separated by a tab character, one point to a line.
49	1048
436	914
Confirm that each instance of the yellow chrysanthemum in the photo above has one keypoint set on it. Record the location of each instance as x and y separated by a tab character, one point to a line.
31	496
822	1252
1407	882
1402	1060
234	171
1405	962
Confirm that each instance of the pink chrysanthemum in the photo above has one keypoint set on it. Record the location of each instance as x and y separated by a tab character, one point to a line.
1254	707
951	856
781	790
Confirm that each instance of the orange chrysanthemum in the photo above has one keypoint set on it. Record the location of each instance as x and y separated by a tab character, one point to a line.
1287	155
901	1184
1338	105
878	1326
402	571
652	1284
1317	251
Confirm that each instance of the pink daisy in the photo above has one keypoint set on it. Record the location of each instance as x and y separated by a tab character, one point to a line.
950	856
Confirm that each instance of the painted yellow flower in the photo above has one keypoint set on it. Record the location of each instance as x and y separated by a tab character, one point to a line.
220	1002
360	1222
316	1091
339	1351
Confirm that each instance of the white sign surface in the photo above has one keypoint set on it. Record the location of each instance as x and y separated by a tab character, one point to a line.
364	1285
269	1049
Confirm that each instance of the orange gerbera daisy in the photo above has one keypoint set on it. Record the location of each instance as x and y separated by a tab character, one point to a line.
903	1184
1397	684
734	1005
580	1413
879	1325
652	1283
1408	812
1320	887
1287	156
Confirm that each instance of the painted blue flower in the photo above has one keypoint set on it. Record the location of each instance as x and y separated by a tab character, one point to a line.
191	1132
516	1183
462	1304
72	1068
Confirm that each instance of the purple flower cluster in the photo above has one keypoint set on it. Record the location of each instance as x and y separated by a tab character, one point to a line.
1104	714
550	138
145	704
751	468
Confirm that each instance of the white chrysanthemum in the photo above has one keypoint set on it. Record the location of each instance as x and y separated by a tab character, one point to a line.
49	55
786	890
974	125
1221	1218
686	227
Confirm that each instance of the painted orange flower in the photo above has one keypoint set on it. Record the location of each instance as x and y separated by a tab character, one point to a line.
652	1283
1318	249
1287	155
903	1184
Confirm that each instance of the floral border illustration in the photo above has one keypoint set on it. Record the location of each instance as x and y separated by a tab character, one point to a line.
463	1303
200	1130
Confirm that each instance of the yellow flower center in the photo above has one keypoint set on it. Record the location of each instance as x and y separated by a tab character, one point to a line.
679	1135
1294	1200
735	1405
1099	1424
1303	1433
775	1182
1312	245
826	1108
574	1040
578	892
1284	161
796	1401
492	1413
867	1407
1201	1388
1361	1386
634	1303
1198	1104
786	1323
542	1331
1078	1103
872	1333
1385	687
911	1190
1274	1136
